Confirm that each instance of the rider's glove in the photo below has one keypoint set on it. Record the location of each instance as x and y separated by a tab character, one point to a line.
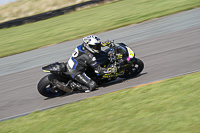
100	71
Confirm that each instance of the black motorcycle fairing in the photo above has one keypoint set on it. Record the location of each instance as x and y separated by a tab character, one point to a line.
102	58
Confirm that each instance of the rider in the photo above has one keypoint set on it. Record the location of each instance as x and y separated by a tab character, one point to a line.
82	57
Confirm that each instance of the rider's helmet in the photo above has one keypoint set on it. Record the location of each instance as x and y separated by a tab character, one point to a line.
92	43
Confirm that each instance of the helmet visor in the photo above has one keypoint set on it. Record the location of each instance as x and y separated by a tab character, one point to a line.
97	46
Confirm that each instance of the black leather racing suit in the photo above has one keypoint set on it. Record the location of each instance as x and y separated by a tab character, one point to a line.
81	58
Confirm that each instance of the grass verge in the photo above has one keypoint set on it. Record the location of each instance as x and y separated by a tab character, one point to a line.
24	8
171	106
88	21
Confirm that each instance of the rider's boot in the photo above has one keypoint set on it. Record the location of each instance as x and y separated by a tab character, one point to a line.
85	89
75	85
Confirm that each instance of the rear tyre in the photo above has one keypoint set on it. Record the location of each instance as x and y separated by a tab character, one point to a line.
46	88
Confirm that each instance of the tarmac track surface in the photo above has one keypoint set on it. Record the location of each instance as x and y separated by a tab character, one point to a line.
168	46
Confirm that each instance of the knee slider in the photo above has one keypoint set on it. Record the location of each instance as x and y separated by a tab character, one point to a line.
92	85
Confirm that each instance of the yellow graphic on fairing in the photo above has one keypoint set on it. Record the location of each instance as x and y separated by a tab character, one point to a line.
110	75
130	52
46	71
119	56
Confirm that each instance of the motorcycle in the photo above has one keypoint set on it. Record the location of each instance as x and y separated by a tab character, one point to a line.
119	60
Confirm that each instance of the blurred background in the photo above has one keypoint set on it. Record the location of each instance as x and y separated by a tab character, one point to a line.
6	1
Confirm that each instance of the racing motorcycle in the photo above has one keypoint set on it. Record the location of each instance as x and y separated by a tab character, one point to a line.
119	60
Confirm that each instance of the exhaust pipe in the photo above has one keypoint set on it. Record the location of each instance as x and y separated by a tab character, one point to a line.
62	85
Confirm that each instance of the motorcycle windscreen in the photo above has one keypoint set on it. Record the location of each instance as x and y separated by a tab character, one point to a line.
122	49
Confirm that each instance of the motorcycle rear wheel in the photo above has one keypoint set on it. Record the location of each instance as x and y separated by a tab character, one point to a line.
46	89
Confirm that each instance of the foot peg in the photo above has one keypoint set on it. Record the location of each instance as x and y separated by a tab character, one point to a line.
62	85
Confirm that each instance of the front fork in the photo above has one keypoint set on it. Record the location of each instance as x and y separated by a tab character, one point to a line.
128	67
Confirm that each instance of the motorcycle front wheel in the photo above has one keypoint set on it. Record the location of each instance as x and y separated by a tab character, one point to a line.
135	69
46	88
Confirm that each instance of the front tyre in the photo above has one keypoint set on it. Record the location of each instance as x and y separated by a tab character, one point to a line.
135	69
46	88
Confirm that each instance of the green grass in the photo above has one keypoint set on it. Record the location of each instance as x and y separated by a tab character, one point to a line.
171	106
24	8
84	22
